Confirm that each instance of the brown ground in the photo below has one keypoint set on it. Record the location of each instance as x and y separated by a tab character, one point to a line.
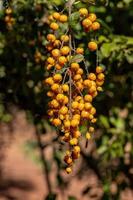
21	178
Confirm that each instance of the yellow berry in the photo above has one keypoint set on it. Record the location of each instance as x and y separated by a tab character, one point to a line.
68	170
63	110
87	106
65	38
56	15
91	129
95	26
100	76
63	18
92	17
74	141
75	66
55	53
62	60
92	76
74	123
50	60
88	98
56	122
75	104
57	43
57	77
83	12
65	88
86	23
99	69
92	46
80	50
88	136
51	37
60	98
55	87
65	50
54	26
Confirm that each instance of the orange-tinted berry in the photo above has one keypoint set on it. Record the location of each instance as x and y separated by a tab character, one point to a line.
54	26
65	50
75	66
92	76
99	69
51	37
86	23
63	18
80	50
88	98
63	110
100	76
56	15
56	122
65	38
65	88
57	77
95	26
55	53
62	60
92	17
92	46
51	60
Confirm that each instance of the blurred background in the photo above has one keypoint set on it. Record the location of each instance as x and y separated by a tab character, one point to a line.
31	166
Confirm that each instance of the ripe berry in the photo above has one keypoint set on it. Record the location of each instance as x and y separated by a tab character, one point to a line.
65	38
57	43
75	66
100	76
74	123
62	60
65	88
8	11
92	46
80	50
55	87
60	98
68	170
95	26
55	53
65	50
56	15
63	110
74	141
51	60
92	76
86	23
88	98
57	77
51	37
54	26
56	122
75	104
99	69
88	136
92	17
63	18
83	12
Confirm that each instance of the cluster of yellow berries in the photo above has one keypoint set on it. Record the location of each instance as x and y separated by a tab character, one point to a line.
89	23
9	19
71	90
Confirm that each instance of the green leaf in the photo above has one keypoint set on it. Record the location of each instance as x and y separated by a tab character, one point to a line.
78	58
104	121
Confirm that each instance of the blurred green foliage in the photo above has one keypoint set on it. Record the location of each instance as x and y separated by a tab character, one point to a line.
21	78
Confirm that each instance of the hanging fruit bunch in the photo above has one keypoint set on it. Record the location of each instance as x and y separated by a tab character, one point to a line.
9	19
71	89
